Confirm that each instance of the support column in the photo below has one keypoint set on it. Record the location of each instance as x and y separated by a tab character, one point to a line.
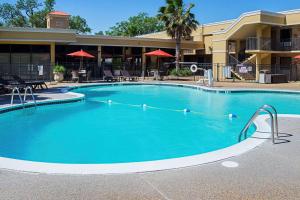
237	48
258	64
259	34
220	56
99	56
143	62
99	59
52	54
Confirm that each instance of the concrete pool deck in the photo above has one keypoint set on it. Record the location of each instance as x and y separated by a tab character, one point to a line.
266	172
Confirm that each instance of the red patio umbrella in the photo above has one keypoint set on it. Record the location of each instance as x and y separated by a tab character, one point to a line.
82	54
297	57
159	54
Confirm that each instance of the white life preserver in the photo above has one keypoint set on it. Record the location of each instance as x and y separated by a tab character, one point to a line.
194	68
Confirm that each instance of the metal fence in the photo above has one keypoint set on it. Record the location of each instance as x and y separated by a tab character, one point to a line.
28	71
247	72
254	43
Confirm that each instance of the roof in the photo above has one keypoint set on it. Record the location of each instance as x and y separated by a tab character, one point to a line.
59	13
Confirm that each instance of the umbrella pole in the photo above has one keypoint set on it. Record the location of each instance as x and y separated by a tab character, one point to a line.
81	63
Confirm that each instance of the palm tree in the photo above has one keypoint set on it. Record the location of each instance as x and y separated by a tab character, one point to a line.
179	22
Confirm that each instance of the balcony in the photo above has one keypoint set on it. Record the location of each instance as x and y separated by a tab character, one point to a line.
267	44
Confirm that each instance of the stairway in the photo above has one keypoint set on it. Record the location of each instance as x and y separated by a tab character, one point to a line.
248	61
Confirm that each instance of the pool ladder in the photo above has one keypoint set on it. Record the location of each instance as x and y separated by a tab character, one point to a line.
16	91
272	112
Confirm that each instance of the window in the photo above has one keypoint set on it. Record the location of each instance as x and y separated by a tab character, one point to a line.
285	35
60	24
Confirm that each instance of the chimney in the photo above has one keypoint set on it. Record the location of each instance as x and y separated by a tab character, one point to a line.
57	19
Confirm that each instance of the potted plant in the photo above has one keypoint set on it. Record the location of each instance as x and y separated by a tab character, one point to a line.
58	72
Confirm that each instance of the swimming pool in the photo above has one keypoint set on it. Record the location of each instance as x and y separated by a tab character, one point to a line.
112	125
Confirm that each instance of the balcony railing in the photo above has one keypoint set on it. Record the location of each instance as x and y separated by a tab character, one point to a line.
254	43
268	44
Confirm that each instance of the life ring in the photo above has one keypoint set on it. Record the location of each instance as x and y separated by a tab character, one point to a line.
194	68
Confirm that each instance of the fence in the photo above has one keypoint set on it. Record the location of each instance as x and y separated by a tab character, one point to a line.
292	44
28	71
247	72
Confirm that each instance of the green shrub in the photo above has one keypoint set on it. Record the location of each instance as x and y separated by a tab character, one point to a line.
181	72
59	69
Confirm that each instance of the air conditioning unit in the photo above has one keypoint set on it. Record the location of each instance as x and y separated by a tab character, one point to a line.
287	44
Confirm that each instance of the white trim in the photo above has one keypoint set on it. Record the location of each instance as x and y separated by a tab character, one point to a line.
247	14
37	30
219	51
35	40
135	167
219	40
140	46
290	11
219	23
132	39
148	34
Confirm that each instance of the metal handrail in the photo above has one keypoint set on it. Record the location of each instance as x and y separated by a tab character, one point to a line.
16	89
275	117
245	129
28	88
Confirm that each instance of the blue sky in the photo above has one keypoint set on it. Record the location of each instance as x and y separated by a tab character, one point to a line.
102	14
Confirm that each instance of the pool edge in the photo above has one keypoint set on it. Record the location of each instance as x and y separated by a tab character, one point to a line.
149	166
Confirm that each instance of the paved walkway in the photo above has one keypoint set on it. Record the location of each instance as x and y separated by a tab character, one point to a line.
40	95
267	172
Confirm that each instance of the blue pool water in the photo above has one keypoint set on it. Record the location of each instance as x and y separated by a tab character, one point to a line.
93	131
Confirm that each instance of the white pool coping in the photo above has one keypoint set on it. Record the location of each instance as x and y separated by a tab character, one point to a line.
259	137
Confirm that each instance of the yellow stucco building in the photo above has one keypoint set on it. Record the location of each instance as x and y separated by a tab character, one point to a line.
255	41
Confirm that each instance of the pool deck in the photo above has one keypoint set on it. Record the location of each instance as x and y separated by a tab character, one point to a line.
266	172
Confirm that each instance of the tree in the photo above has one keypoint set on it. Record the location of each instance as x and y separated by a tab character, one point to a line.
31	13
179	22
39	18
11	16
136	25
79	24
99	33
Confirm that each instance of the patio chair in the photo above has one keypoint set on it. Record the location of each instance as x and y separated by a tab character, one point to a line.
34	84
75	76
108	76
127	76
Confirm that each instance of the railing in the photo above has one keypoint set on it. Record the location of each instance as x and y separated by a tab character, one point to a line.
16	91
28	71
254	43
274	125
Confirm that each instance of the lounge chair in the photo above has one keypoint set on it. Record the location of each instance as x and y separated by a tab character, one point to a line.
118	74
1	87
34	84
127	76
15	88
108	76
8	85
